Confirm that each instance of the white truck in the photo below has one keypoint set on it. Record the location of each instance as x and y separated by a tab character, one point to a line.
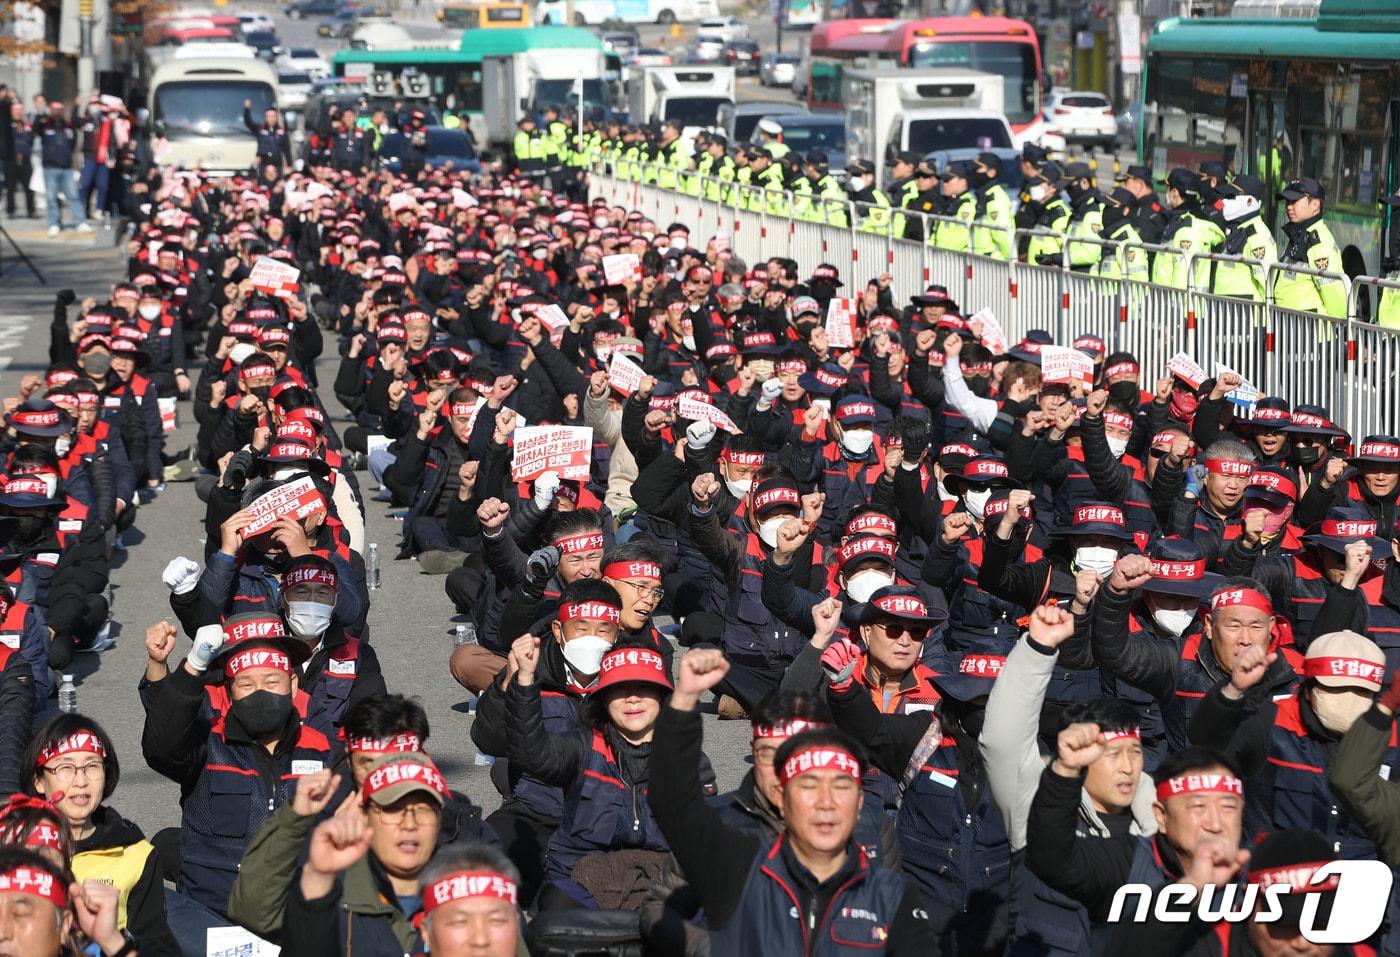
526	82
889	110
691	94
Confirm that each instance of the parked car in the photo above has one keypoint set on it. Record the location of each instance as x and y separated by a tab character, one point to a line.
299	9
804	132
339	25
726	28
778	69
743	55
304	60
649	56
264	43
446	146
1081	116
706	49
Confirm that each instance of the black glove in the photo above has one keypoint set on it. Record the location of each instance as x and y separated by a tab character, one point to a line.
1051	259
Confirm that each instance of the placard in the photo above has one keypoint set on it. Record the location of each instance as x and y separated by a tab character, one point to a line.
993	336
1062	364
1184	367
1246	395
624	375
237	942
169	417
554	320
841	323
566	449
295	500
698	410
622	267
275	278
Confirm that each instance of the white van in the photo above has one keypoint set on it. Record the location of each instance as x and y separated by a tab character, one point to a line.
197	112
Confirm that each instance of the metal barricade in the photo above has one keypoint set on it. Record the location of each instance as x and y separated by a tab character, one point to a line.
1231	330
871	252
1091	301
1372	405
991	281
1039	294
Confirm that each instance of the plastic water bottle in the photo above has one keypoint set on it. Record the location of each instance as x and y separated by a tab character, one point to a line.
464	634
372	568
67	696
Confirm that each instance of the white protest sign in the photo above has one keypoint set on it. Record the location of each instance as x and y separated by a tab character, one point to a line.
1246	395
993	336
1062	364
841	323
295	500
566	449
622	267
1184	367
554	320
274	278
624	375
237	942
698	410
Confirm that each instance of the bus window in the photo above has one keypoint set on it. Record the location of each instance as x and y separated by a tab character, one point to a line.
1013	62
826	81
506	15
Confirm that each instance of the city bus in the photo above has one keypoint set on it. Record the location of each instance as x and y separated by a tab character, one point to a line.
997	45
487	15
1282	99
594	12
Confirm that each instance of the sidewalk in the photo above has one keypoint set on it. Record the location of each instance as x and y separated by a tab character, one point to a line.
70	260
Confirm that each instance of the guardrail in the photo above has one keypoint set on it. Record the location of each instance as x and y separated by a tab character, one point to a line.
1350	366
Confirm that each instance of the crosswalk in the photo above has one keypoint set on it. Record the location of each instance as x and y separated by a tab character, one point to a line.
14	326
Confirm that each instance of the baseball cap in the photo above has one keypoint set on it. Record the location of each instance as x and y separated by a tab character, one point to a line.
632	665
1135	172
1345	659
1300	188
1184	181
393	777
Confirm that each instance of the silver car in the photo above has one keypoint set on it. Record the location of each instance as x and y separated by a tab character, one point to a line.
778	69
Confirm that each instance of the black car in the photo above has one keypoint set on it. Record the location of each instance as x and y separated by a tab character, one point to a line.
264	42
340	24
742	55
298	9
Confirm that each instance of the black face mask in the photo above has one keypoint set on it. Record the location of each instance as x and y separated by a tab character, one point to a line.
1305	456
1113	216
1076	190
31	527
980	386
1125	392
263	392
262	712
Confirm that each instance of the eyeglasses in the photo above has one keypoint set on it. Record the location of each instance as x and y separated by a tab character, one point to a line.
421	813
893	629
765	754
646	591
67	772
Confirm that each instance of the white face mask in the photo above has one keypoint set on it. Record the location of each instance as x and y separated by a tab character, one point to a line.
857	441
739	487
149	312
286	472
240	352
585	654
308	619
1239	207
1040	193
857	183
61	445
864	584
768	529
688	342
1096	559
1173	621
603	353
600	221
977	501
1116	445
1338	710
678	242
943	494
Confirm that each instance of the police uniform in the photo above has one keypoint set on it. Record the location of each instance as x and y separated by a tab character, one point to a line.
1310	244
1248	237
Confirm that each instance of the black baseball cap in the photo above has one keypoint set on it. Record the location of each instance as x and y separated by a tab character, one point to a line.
1250	186
1214	168
907	156
989	160
1078	171
1300	188
1143	173
960	169
1184	181
1034	154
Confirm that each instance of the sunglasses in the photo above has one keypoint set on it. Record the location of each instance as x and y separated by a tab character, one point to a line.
893	629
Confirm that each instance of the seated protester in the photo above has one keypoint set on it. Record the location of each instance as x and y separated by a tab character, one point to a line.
952	840
1199	810
63	582
1266	430
21	651
306	425
1283	747
566	669
967	368
35	897
243	574
850	470
72	762
602	767
812	881
1169	652
126	359
341	670
119	412
45	429
1117	798
471	903
635	569
1317	456
1106	430
1325	572
79	453
1212	514
96	440
242	413
233	770
890	650
357	892
38	461
426	475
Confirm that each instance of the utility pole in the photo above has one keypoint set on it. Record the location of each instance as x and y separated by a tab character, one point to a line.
86	73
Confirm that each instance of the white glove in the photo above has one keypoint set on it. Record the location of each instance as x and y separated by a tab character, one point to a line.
698	434
545	488
772	388
207	642
181	575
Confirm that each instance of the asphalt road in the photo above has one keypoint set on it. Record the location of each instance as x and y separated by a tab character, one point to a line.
410	624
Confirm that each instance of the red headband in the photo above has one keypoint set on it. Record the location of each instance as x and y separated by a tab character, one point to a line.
782	495
44	834
1178	570
1380	450
78	742
649	570
580	543
1106	514
1119	420
256	370
1348	528
982	665
871	521
1298	877
257	658
1214	783
819	759
1229	467
1121	368
1247	597
590	611
898	605
1359	668
785	729
460	408
865	547
36	882
254	628
1166	438
741	458
466	884
395	744
1130	734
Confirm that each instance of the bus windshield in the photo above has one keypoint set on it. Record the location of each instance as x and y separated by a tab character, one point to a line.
694	110
1014	62
210	107
561	93
952	133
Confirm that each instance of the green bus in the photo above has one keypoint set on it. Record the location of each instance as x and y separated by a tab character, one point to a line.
1281	98
451	76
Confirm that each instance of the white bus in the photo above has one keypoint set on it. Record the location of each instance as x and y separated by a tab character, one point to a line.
587	12
197	111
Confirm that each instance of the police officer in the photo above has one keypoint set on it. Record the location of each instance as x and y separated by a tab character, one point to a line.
769	187
1146	211
770	134
829	204
717	168
529	147
993	208
1388	314
960	205
274	145
1214	177
872	206
1123	261
928	199
1086	216
1246	235
668	159
1188	231
1049	212
1310	244
903	185
1033	159
350	146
